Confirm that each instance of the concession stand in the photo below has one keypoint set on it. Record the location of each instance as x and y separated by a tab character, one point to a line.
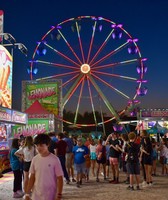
155	121
8	119
41	100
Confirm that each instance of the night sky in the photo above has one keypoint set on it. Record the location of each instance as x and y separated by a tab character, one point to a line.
146	20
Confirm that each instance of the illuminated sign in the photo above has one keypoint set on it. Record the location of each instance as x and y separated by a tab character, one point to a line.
154	113
1	23
34	126
48	93
5	78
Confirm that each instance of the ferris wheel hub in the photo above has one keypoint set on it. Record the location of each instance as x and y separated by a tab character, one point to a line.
85	68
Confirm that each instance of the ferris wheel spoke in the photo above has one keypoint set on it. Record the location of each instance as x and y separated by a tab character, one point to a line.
111	53
72	90
72	50
57	65
91	42
109	106
101	47
62	55
115	75
91	100
80	42
79	99
125	62
112	87
70	80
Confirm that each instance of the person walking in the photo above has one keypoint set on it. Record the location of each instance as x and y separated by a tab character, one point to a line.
46	175
133	166
80	152
26	153
15	165
61	148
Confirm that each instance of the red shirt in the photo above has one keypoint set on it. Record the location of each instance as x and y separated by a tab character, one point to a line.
61	146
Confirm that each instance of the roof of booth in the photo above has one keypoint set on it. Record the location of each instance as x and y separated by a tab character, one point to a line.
36	108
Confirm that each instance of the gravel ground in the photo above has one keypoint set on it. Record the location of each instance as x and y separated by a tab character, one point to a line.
104	190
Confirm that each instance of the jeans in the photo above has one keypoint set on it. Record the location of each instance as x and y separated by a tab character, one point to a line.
17	183
63	161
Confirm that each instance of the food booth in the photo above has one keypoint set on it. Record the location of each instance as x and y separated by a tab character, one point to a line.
8	119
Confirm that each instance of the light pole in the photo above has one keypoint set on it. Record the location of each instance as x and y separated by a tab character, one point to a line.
7	37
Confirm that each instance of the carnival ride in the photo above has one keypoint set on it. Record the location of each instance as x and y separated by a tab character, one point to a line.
99	63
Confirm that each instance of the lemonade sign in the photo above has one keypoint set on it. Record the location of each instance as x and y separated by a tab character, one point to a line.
34	126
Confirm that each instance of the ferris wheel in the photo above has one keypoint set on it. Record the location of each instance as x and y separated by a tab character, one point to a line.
100	65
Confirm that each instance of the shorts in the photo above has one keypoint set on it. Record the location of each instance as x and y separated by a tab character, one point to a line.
26	166
69	160
113	161
133	168
101	161
93	155
80	168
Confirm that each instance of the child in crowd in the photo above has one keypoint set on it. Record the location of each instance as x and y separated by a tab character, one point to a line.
46	175
88	165
15	165
133	165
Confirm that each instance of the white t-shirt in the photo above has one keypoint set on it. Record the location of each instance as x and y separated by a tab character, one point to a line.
92	148
27	153
46	170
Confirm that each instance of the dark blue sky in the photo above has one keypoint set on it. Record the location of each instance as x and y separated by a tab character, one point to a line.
146	20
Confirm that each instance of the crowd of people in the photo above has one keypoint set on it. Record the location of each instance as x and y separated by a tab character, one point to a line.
43	163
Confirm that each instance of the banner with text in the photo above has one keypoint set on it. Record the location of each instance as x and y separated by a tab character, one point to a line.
34	126
48	93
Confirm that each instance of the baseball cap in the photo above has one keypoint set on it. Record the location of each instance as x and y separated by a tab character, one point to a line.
79	139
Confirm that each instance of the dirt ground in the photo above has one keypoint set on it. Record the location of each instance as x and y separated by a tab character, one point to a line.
104	190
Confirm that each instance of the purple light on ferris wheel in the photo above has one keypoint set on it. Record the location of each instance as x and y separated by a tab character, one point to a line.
142	91
58	27
132	40
142	81
145	69
100	18
113	25
144	59
141	70
100	28
119	25
138	69
132	50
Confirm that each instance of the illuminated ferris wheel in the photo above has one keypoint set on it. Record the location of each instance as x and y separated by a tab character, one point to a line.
100	65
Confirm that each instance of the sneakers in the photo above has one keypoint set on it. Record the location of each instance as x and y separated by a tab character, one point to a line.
73	180
150	184
67	181
17	195
130	188
144	184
